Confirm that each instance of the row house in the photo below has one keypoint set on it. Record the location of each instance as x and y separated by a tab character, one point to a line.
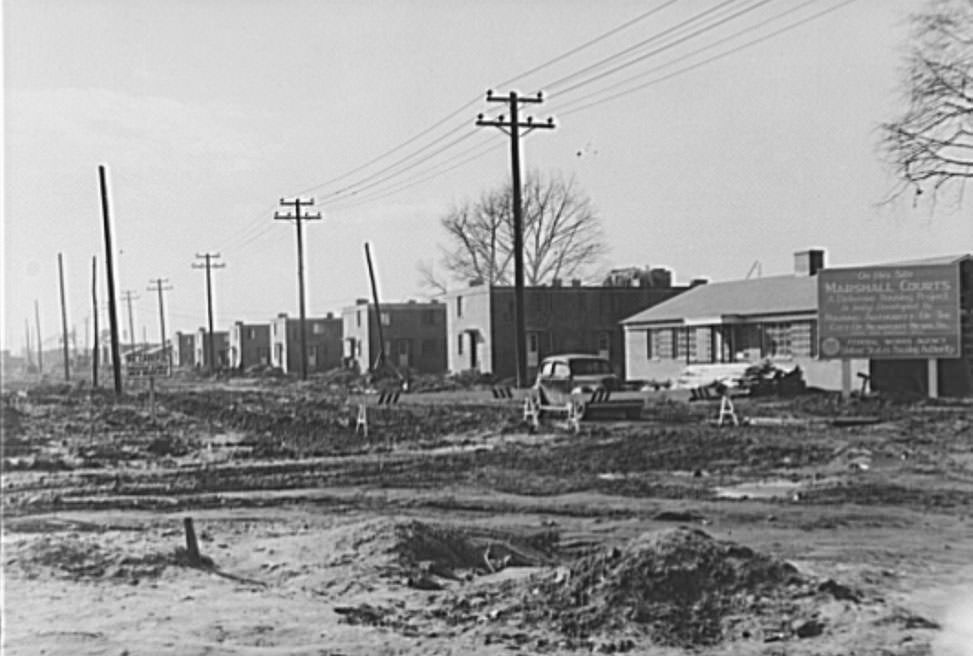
323	343
249	345
414	335
559	319
220	345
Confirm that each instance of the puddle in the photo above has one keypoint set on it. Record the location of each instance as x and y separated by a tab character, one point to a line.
774	489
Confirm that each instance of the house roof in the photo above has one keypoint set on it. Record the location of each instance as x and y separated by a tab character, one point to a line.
787	294
926	261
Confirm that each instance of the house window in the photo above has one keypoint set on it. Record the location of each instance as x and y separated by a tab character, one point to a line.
777	339
317	328
459	306
649	335
459	344
252	333
386	319
358	319
604	342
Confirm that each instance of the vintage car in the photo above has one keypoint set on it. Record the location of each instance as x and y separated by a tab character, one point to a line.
574	373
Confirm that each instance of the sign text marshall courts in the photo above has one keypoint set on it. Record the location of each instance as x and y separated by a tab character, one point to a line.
889	312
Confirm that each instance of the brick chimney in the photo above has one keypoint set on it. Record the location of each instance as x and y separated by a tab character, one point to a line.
809	262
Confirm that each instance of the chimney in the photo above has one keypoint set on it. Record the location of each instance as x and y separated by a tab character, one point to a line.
809	262
281	315
329	315
556	282
476	282
361	301
696	282
575	282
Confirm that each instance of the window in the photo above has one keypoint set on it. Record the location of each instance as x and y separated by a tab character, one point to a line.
561	370
459	344
777	339
649	335
317	328
252	333
459	306
358	319
386	319
675	336
532	342
604	341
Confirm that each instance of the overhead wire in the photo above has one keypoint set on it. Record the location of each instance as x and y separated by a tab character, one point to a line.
722	55
688	55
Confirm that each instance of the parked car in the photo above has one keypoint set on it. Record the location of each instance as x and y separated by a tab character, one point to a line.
574	373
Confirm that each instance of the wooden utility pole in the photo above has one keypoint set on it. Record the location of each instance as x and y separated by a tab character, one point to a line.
512	128
380	361
208	258
167	352
40	342
64	317
95	348
116	361
129	296
297	217
29	351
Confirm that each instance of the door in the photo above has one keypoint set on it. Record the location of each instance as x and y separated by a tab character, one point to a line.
474	361
533	349
604	344
404	353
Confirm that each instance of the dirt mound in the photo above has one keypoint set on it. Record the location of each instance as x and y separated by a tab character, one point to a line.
452	552
676	586
74	558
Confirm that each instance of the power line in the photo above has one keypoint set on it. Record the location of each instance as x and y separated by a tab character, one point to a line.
716	57
589	43
297	217
688	55
651	39
668	46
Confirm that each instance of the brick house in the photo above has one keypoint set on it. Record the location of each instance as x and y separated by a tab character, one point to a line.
559	319
414	335
221	344
249	344
323	343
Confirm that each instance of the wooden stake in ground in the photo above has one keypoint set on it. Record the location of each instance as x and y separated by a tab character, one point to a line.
192	546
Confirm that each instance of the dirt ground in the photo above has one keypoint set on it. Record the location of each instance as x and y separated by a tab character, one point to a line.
820	527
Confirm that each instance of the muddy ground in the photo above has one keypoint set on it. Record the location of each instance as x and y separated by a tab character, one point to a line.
451	528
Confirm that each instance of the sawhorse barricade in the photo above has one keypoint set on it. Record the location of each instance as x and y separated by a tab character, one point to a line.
573	411
384	399
502	392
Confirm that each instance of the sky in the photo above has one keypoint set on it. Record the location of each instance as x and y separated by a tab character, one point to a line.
207	112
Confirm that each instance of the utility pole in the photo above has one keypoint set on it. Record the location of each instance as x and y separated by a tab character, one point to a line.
208	258
297	217
29	351
95	348
64	317
40	343
116	361
129	295
160	286
512	128
380	361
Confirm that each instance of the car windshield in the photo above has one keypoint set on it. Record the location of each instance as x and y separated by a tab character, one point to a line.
590	366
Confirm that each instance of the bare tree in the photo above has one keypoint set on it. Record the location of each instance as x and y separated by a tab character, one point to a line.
562	235
931	144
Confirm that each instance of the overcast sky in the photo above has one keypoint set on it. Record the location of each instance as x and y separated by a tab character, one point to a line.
206	112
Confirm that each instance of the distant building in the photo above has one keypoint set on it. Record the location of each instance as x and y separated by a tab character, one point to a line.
323	343
221	344
560	319
414	335
184	350
249	344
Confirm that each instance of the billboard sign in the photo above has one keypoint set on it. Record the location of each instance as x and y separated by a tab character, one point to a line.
889	312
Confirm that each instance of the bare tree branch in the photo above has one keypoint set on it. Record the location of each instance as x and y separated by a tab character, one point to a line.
562	234
930	142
